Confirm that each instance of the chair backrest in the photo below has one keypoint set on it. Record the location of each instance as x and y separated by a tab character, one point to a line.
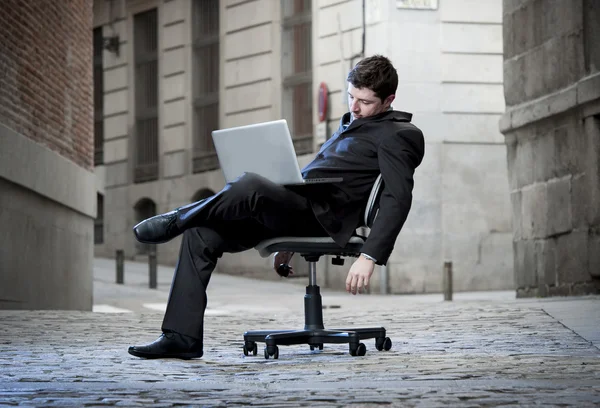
373	203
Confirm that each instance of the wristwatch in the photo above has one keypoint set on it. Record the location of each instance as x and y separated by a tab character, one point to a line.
369	257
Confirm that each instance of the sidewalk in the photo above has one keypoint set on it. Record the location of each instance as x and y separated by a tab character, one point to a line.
482	349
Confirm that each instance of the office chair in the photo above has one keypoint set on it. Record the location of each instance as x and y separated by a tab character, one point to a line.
314	334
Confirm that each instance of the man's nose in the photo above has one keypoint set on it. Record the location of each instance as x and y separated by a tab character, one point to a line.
354	106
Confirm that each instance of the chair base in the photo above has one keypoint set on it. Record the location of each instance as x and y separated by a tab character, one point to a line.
314	334
315	338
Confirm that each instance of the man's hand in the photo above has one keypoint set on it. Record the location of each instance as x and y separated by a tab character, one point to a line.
359	275
282	258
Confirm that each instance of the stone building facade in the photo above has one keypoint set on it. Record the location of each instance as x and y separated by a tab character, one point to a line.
47	183
177	69
552	129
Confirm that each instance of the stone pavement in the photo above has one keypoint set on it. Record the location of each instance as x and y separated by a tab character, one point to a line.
483	349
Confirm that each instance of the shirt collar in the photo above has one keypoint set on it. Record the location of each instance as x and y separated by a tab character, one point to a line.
390	114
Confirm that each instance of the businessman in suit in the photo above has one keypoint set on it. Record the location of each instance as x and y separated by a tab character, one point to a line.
372	139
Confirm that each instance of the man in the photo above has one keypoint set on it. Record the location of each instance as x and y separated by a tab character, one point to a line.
372	139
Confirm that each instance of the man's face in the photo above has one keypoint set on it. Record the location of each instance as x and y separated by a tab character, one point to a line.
364	103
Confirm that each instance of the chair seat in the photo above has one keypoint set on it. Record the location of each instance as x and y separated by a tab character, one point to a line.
309	245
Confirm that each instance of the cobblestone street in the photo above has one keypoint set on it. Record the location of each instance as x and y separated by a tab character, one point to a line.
439	157
463	353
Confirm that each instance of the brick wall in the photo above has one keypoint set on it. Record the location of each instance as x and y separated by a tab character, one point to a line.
46	74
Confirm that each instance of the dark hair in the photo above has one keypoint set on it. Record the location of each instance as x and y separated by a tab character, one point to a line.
375	73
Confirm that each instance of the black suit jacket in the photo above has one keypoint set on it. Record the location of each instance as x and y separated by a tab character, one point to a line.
386	144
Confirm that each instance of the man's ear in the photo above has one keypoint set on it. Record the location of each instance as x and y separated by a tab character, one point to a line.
388	101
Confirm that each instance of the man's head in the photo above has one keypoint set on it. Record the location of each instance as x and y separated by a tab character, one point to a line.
372	85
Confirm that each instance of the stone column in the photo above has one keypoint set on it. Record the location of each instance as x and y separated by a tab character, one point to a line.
552	91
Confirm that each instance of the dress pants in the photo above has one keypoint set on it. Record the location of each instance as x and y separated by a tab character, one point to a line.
237	218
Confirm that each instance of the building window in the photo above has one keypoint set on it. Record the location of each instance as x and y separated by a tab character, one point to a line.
146	96
206	83
297	72
98	98
99	221
202	194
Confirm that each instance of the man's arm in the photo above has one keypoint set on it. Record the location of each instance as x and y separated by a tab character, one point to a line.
399	156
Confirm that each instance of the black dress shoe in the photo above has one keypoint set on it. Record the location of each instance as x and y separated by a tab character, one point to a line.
170	345
158	229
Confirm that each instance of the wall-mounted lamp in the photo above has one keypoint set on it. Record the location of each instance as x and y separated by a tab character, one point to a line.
112	44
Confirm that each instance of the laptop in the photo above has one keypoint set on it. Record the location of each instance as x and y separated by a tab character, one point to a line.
263	148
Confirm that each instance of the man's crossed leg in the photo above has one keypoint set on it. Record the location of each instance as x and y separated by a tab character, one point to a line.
237	218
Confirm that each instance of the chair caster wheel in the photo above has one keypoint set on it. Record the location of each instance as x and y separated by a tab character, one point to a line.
360	350
271	351
312	347
383	343
250	347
